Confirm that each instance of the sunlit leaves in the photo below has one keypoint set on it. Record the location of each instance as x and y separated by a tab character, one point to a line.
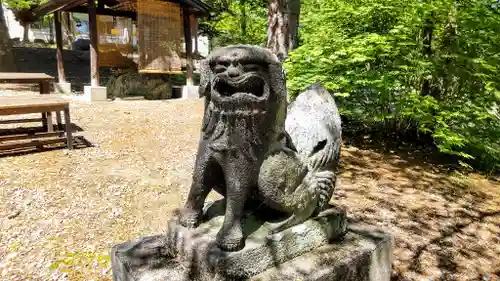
373	52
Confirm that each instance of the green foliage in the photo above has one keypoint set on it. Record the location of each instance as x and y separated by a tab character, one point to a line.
234	22
23	4
180	79
23	9
379	58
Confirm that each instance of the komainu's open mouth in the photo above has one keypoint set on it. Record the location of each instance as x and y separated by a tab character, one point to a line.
246	84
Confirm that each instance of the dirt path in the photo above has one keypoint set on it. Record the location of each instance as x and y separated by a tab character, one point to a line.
60	211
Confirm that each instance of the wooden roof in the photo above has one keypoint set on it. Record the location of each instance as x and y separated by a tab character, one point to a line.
195	6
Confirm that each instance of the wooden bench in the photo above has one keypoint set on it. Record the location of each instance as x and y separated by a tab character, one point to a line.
41	79
17	105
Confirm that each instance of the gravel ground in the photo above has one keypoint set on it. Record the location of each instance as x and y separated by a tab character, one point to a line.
64	209
61	211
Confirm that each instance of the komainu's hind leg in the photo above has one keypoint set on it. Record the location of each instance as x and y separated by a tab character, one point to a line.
308	197
306	201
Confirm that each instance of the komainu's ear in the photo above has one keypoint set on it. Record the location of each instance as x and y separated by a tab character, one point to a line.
286	142
205	72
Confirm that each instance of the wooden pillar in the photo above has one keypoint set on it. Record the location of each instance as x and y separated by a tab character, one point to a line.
140	41
196	35
59	43
94	47
189	43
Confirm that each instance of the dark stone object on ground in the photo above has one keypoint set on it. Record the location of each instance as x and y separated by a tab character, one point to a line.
252	150
131	83
309	251
81	44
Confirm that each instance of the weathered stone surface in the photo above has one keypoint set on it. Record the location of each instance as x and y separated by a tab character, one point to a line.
193	252
365	254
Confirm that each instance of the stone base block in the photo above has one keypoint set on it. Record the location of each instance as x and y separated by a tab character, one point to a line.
91	93
317	249
190	92
62	88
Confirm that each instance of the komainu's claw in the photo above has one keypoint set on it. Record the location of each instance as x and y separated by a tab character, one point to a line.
231	239
188	218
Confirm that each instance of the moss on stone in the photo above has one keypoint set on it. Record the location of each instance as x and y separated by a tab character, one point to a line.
130	84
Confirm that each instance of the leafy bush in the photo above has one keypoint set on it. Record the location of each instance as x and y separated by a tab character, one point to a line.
428	65
236	22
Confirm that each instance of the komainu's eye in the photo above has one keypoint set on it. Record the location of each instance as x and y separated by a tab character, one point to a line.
219	68
251	67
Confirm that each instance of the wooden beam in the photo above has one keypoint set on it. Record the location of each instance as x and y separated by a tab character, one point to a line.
31	136
29	109
189	43
105	12
59	43
196	7
94	47
16	121
56	5
30	144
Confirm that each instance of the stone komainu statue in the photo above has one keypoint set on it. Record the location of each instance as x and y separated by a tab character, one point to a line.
255	147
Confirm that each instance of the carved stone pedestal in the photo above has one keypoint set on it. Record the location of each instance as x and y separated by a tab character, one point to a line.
313	250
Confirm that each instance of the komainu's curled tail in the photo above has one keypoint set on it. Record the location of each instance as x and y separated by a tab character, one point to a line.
313	123
300	179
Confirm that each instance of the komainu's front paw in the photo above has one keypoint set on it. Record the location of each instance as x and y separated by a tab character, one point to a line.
188	217
231	240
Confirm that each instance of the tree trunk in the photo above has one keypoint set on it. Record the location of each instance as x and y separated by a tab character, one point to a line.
68	28
243	11
51	31
293	23
6	57
427	51
277	28
282	23
26	32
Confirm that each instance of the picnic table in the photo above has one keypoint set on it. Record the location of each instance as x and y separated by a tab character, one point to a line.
41	79
20	105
